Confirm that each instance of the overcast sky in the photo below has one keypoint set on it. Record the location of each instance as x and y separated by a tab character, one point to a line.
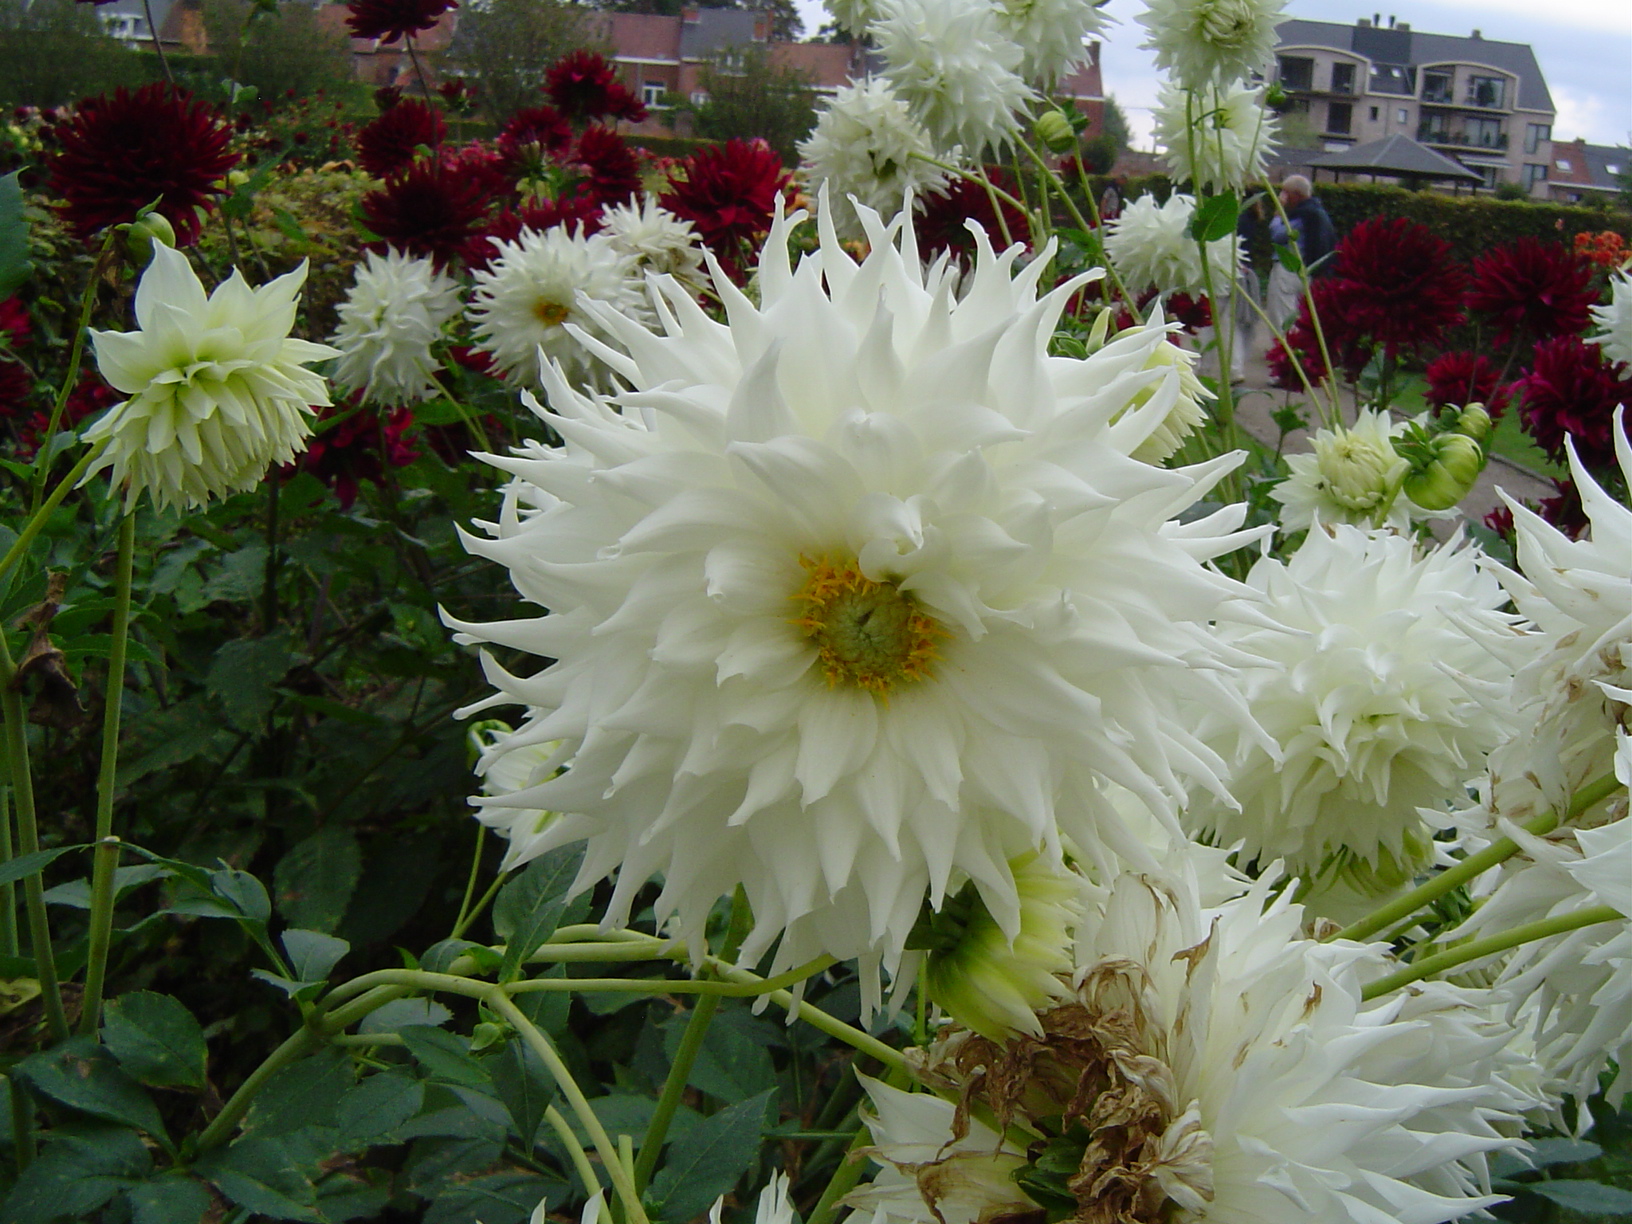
1584	47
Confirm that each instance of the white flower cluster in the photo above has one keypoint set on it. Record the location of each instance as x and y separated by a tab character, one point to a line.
389	321
1151	247
1216	137
1203	42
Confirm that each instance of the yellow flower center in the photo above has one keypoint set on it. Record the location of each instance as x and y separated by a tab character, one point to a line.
868	634
551	314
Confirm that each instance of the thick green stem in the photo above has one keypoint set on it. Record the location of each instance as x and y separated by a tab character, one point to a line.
1478	949
1476	865
106	859
28	842
575	1150
22	1123
36	521
8	892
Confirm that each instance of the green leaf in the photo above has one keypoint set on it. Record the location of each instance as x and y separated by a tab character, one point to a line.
260	1177
242	676
1215	217
1544	1152
1591	1197
77	893
315	880
403	1013
15	267
529	908
446	1057
243	892
495	1198
25	865
312	955
156	1039
74	1175
168	1200
376	1107
707	1162
288	225
239	575
306	1093
83	1076
735	1061
525	1086
1290	257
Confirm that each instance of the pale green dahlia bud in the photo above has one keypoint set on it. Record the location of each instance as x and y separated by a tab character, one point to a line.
1457	462
1054	130
1358	472
142	233
1473	421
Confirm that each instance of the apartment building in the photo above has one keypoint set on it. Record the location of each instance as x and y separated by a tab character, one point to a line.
1480	101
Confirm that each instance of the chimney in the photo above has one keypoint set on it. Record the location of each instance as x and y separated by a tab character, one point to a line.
1364	23
1476	34
1404	27
1376	19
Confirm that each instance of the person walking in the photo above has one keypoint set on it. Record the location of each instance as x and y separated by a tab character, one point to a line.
1308	224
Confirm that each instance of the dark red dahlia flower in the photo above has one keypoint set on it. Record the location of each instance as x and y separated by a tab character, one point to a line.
605	166
573	212
1396	285
1194	312
389	20
119	152
457	95
939	223
1344	340
1500	520
15	381
1533	290
358	449
1466	378
427	209
728	193
482	164
391	141
1572	391
583	86
532	140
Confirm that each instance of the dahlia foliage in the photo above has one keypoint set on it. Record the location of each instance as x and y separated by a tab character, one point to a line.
847	589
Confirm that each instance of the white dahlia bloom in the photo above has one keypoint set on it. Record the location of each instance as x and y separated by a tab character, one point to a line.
1052	34
509	761
1209	41
866	144
217	389
1227	1071
1350	476
951	63
1616	320
1151	247
529	303
1216	137
856	595
1386	681
393	315
655	238
852	16
1189	409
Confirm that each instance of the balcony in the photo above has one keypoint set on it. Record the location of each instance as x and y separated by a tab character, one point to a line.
1495	142
1443	97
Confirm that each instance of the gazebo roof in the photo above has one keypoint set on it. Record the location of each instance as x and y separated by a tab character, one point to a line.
1396	155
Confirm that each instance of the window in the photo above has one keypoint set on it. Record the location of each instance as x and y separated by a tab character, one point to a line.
1563	165
1402	115
1534	174
1486	91
651	93
1374	114
1484	133
1297	73
1536	135
1613	169
1436	87
699	97
1343	78
1339	116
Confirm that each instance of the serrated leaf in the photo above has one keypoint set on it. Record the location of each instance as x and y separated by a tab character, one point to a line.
708	1161
15	267
1553	1151
238	575
315	880
312	954
306	1093
404	1013
735	1061
1591	1197
495	1198
83	1076
525	1086
260	1177
243	892
156	1039
168	1200
446	1057
74	1175
242	676
1215	217
529	908
376	1107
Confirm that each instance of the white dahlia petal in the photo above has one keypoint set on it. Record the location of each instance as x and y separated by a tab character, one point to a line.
856	596
1616	320
658	240
1216	137
1151	247
1052	34
1204	41
1385	682
528	303
393	315
217	389
1349	476
950	61
866	144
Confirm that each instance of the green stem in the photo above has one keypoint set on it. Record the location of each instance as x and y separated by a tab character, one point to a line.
28	842
106	856
471	420
158	45
8	891
1478	949
850	1168
76	354
298	1045
691	1044
475	911
461	921
269	585
37	520
1476	865
575	1150
1336	419
1002	222
22	1123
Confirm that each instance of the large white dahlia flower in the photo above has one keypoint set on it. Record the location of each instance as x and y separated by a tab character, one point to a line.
1616	320
1350	475
1151	247
856	596
217	389
1213	1066
1209	41
950	62
537	287
389	321
1216	137
1385	683
656	239
1052	35
866	144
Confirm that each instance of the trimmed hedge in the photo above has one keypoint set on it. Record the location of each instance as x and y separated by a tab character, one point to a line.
669	146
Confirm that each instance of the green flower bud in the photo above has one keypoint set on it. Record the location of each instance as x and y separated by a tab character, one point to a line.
1473	421
142	233
1457	462
1054	131
1358	473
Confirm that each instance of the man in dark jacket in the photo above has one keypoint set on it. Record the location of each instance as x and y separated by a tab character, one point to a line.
1315	236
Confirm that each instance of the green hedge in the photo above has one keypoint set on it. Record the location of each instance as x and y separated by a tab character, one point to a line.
669	146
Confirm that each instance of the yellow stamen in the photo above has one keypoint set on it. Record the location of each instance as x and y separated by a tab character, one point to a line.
868	634
551	314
